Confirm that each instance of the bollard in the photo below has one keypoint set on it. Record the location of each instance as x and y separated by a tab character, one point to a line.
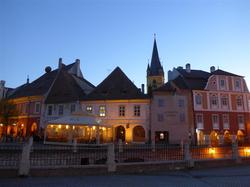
235	152
187	156
111	158
120	146
153	146
24	167
74	145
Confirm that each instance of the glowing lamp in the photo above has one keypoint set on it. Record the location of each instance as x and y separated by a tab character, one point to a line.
67	126
211	151
60	126
73	127
93	127
1	125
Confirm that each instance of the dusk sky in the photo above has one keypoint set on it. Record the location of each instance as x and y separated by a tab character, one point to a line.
105	34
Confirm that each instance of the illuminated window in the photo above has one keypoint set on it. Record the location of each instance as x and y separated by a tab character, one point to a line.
121	110
72	108
89	109
102	111
50	110
162	136
60	110
215	121
225	119
137	110
37	107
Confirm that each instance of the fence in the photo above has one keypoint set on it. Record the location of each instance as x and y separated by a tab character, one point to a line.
28	156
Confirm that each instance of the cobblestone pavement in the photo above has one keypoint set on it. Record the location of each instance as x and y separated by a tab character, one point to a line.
233	176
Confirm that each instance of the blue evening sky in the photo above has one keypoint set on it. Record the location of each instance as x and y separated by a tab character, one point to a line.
104	34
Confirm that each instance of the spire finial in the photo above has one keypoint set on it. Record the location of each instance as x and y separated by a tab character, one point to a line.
154	36
28	80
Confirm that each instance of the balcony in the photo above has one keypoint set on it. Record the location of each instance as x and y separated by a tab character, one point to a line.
200	126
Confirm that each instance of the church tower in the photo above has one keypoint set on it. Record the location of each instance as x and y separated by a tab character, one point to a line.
155	72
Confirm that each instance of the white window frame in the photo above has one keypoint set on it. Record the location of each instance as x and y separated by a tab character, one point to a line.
215	121
39	108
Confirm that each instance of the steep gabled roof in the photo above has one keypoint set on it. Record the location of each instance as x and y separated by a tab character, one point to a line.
64	89
116	86
155	67
221	72
165	88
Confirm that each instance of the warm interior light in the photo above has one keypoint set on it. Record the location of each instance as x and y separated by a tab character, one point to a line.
73	127
1	125
103	128
22	125
60	126
93	127
211	150
51	126
14	124
67	126
247	150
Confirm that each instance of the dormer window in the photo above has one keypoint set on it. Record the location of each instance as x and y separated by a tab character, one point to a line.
222	83
237	85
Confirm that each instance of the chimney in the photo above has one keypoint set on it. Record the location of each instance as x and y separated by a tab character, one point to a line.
142	88
78	71
2	83
28	80
188	68
60	63
212	69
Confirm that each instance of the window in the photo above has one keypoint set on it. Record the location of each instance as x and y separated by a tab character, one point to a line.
199	121
198	99
72	108
181	102
182	117
237	84
224	101
214	101
89	109
137	110
225	118
241	122
102	111
161	102
215	121
239	101
60	110
121	110
37	107
50	108
160	117
222	83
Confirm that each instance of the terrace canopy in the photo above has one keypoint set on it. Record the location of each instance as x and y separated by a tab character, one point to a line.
77	127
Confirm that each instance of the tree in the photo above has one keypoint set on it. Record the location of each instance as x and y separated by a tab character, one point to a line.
7	110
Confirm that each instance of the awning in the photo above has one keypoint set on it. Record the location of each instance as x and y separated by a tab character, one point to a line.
76	120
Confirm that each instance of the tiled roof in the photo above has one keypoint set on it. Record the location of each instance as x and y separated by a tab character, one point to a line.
221	72
116	86
64	89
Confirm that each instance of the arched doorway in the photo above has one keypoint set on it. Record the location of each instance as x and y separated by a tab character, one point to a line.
138	134
227	138
200	137
33	129
240	136
214	138
120	133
